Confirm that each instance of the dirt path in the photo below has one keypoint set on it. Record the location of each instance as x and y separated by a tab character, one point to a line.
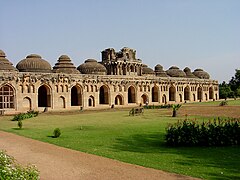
60	163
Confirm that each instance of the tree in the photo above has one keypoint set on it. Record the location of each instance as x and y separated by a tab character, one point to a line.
234	83
225	91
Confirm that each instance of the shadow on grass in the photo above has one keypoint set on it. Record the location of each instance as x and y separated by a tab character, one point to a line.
224	162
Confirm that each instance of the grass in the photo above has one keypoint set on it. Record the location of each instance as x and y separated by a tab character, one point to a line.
133	139
230	102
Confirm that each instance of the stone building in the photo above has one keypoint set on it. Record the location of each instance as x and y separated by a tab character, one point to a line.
119	80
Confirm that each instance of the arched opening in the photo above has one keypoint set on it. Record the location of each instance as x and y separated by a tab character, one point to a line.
164	99
194	97
76	96
131	95
144	99
103	95
186	93
44	96
62	102
216	96
6	97
180	97
199	93
155	94
27	103
206	97
91	102
118	100
172	94
211	93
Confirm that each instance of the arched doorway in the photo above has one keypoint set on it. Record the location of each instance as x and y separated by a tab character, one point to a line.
91	102
194	97
206	97
6	97
199	93
172	94
118	100
211	93
44	96
76	96
131	95
164	99
155	94
62	102
103	95
27	103
186	93
180	97
144	99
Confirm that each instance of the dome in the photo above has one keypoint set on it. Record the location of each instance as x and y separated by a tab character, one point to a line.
64	65
34	63
5	64
201	74
174	71
188	73
147	70
159	71
91	66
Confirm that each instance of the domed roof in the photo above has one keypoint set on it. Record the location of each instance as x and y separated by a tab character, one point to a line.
64	65
188	73
159	71
147	70
5	64
91	66
34	63
174	71
201	74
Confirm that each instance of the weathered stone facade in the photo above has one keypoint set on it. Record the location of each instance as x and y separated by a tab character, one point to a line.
119	80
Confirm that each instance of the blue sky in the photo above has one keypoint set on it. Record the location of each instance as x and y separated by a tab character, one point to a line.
194	33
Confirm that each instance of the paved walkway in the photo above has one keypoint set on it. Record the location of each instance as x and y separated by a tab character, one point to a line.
58	163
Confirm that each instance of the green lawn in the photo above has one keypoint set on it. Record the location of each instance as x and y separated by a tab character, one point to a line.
230	102
137	140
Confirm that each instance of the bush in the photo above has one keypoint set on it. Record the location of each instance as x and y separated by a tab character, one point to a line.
157	107
223	103
10	170
56	133
213	133
23	116
20	124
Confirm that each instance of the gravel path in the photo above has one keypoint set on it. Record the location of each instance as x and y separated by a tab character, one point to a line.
55	162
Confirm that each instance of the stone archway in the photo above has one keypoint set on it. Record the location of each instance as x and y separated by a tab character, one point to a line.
144	99
91	102
76	96
131	95
211	94
118	100
164	99
62	102
186	93
172	93
44	96
27	103
155	94
199	93
103	95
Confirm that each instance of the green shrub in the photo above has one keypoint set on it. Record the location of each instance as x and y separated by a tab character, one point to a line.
20	124
10	170
22	116
221	132
56	133
223	103
157	107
